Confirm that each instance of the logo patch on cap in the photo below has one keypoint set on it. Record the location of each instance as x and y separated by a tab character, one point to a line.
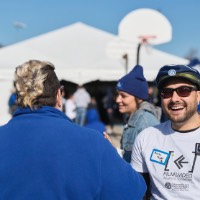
172	72
119	85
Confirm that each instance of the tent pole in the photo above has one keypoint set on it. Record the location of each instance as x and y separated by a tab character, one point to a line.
125	56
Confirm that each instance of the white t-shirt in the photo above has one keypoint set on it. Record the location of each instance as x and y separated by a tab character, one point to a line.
82	98
172	159
70	108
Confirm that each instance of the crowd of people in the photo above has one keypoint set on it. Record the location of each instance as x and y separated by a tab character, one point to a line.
52	149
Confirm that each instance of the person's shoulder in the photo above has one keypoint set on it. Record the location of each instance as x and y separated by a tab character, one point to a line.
88	132
78	135
151	108
140	115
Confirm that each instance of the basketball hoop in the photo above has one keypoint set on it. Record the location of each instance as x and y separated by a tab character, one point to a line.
144	39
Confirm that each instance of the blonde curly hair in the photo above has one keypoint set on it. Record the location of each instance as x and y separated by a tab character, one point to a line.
36	84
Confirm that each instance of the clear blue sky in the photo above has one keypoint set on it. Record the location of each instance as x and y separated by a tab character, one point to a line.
42	16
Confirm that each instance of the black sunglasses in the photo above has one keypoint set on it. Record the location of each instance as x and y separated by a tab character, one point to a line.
183	91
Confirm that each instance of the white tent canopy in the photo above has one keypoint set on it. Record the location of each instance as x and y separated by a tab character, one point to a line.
80	54
77	51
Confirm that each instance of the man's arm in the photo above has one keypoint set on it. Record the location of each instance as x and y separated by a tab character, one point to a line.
138	163
148	183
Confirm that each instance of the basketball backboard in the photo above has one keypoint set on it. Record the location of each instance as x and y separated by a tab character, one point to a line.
145	24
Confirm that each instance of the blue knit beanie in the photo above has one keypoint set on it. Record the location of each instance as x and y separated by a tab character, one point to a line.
134	83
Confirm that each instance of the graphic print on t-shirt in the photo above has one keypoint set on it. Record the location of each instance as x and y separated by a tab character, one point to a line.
178	171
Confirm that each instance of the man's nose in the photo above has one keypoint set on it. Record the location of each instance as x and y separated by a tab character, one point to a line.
175	96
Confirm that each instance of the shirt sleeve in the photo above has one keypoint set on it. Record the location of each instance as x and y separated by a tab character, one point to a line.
137	158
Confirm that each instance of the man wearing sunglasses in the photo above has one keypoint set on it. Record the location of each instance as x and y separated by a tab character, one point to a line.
170	152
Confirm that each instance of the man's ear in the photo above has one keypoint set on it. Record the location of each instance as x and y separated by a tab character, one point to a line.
59	100
198	96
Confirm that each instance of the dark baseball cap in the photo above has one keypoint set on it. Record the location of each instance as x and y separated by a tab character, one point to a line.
185	72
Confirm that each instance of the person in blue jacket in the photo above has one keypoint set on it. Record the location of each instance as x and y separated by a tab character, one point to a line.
45	156
93	121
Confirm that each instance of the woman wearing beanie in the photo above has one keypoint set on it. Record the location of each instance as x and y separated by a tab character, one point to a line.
132	92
